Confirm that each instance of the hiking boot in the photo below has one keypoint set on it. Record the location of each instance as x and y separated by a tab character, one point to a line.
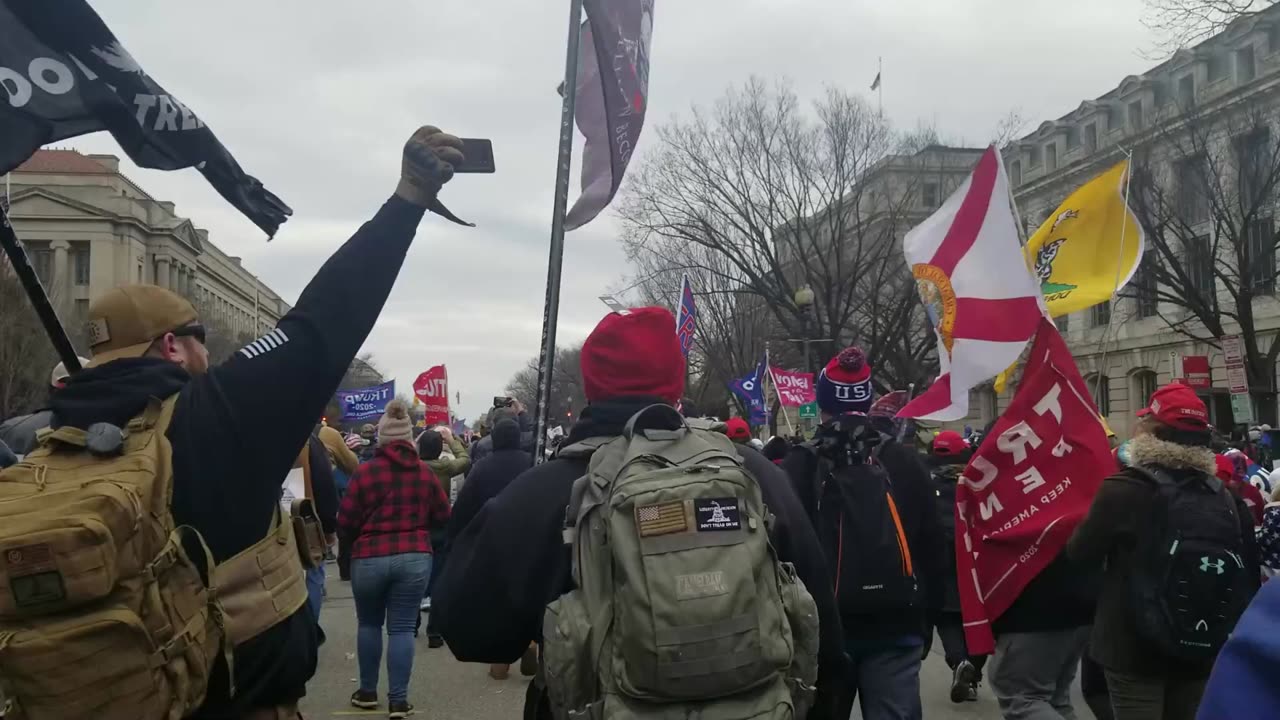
529	661
435	641
499	672
365	699
963	680
397	709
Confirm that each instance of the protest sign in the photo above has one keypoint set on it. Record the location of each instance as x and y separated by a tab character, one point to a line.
794	388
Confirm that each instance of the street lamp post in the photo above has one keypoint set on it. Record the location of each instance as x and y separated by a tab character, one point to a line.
804	299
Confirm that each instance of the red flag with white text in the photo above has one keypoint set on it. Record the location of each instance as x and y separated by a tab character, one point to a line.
794	388
1028	486
432	389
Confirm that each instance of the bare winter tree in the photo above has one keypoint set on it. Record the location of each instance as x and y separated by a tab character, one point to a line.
1205	191
1182	23
567	394
26	355
759	198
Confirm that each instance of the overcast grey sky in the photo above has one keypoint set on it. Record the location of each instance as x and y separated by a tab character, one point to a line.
316	97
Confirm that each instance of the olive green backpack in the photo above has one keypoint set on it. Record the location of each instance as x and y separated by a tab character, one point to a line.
681	607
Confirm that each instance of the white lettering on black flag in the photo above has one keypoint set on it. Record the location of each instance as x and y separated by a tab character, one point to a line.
613	94
64	74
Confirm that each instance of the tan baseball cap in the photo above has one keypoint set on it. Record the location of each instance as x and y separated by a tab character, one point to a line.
124	321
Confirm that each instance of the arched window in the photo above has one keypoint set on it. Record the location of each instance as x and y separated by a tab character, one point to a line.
1142	385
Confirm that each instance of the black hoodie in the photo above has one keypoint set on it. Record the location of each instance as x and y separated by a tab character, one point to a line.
510	561
490	476
237	430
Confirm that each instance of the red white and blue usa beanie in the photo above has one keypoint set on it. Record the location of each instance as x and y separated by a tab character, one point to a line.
844	386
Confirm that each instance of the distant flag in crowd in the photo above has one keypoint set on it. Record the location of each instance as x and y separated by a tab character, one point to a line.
751	389
875	84
613	95
1090	247
686	318
459	427
980	298
68	75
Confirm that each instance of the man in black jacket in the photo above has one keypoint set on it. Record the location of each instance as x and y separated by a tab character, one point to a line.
887	645
515	412
237	428
510	561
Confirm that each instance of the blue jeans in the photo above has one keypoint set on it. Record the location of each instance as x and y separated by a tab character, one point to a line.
884	680
315	591
388	588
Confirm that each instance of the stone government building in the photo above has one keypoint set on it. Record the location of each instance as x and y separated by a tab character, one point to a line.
88	228
1238	68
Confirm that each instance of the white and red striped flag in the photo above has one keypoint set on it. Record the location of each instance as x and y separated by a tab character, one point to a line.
981	299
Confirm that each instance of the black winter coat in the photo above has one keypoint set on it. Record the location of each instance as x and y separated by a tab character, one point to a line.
510	561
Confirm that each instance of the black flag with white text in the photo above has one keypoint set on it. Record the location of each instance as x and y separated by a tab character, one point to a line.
65	74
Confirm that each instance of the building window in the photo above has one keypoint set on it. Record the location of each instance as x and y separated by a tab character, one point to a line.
1143	387
1187	91
1159	94
1273	39
1091	137
1193	189
1144	295
1063	322
1246	66
1034	160
1100	314
1100	390
929	195
1113	118
1015	172
41	260
80	264
1260	254
1073	138
1051	156
1199	258
139	273
1135	115
1217	68
1253	162
82	311
990	404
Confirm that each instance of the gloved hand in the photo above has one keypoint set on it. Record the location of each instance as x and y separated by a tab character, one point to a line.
428	161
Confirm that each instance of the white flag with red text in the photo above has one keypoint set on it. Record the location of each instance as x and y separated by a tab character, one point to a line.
980	298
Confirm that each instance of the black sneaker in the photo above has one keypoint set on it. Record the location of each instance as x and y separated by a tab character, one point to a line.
365	699
435	641
963	680
398	710
973	693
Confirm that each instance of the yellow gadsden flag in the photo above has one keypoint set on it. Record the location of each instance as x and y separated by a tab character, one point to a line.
1089	247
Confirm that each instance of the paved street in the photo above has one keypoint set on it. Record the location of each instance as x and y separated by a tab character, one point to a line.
445	689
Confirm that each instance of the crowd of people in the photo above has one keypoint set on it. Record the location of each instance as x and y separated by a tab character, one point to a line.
659	563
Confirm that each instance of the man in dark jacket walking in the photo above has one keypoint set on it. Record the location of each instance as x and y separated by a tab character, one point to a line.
886	645
947	459
510	561
237	428
1172	438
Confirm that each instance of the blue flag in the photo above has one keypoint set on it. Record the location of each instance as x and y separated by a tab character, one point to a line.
686	318
751	390
366	403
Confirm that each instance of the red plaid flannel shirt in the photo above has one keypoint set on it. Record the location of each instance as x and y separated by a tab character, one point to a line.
392	503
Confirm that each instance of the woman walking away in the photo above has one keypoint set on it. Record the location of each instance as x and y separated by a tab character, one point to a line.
391	505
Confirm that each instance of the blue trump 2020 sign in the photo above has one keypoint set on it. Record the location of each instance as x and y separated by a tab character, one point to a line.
366	403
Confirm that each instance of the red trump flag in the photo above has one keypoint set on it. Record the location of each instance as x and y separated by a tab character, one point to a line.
432	389
1028	486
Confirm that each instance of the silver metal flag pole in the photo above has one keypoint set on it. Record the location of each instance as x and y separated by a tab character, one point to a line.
555	262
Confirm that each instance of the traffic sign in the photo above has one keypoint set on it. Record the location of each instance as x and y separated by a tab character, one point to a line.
1241	408
1237	379
809	410
1232	349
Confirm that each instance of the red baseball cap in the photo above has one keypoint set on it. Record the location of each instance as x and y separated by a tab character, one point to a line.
948	442
634	354
1225	468
737	429
1178	406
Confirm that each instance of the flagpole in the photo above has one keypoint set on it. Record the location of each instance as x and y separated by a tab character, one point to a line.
768	369
35	291
1111	319
555	262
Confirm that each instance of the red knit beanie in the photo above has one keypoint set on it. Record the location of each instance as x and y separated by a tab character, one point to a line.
634	354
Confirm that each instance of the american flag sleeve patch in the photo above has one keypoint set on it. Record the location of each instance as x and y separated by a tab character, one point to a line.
661	519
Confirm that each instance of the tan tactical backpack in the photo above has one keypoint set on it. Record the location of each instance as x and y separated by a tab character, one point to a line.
681	606
104	615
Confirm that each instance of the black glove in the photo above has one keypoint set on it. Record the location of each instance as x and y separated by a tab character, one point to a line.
429	158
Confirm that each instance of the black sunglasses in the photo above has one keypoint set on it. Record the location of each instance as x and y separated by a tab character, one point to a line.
194	331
